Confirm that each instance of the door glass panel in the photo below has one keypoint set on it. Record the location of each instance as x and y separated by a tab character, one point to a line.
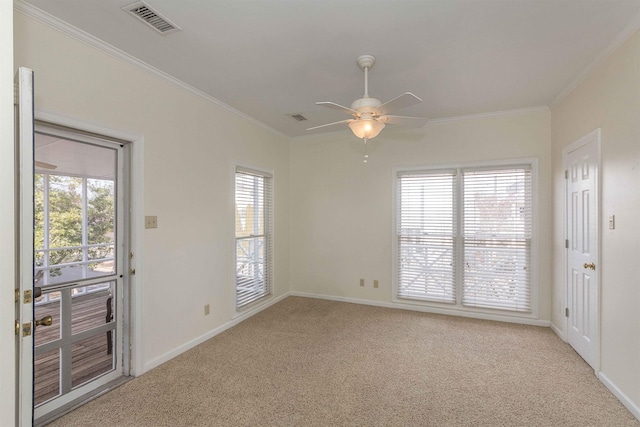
90	358
91	305
47	376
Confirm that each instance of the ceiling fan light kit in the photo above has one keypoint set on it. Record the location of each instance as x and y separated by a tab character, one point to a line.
366	128
369	114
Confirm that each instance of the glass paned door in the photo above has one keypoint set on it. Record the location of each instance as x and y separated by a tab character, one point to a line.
78	266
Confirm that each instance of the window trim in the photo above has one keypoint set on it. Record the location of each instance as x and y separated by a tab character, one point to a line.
458	308
251	170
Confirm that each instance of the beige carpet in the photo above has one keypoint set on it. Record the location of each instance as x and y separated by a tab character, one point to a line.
306	362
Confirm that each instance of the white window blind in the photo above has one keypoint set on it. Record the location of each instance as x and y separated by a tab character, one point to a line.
497	231
426	235
253	231
467	230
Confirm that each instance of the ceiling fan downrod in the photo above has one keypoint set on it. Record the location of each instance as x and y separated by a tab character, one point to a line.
365	62
366	82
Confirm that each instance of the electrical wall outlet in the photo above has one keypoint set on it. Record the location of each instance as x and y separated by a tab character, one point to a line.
375	283
206	310
361	282
150	222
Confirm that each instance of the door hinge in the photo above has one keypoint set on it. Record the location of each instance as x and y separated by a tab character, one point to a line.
16	98
566	174
130	255
566	312
16	295
28	296
26	329
566	244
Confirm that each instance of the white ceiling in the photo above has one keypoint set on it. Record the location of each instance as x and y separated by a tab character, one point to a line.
270	58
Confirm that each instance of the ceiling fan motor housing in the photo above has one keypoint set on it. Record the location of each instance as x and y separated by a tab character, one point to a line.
366	105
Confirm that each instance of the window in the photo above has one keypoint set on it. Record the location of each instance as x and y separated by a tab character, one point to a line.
253	235
464	236
427	235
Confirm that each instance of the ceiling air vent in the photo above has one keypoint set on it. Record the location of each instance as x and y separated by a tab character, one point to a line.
298	117
143	11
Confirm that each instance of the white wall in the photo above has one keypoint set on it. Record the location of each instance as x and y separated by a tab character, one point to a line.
191	146
608	99
341	210
7	237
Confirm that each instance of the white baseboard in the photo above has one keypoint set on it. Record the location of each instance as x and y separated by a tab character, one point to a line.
427	309
623	398
212	333
558	331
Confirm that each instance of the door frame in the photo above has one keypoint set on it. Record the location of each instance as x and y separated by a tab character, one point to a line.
48	410
134	170
593	137
136	223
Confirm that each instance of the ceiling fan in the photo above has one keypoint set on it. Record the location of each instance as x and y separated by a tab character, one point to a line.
369	114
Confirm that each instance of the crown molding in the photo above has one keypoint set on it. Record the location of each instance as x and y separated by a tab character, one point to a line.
78	34
494	114
624	35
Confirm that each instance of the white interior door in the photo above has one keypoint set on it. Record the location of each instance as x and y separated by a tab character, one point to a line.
582	164
24	310
72	252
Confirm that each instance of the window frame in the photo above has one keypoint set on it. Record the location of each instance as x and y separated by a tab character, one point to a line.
268	233
458	307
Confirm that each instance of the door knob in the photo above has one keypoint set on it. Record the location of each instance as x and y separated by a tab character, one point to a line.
590	266
45	321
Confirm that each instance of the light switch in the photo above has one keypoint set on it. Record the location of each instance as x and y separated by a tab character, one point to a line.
150	222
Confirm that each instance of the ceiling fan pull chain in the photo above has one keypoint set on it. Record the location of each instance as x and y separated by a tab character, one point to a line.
366	155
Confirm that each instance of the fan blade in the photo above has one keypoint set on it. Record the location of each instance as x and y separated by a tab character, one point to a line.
331	124
337	107
415	122
405	100
44	165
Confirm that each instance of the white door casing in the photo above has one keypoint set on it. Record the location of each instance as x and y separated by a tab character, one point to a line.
582	160
24	311
24	148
